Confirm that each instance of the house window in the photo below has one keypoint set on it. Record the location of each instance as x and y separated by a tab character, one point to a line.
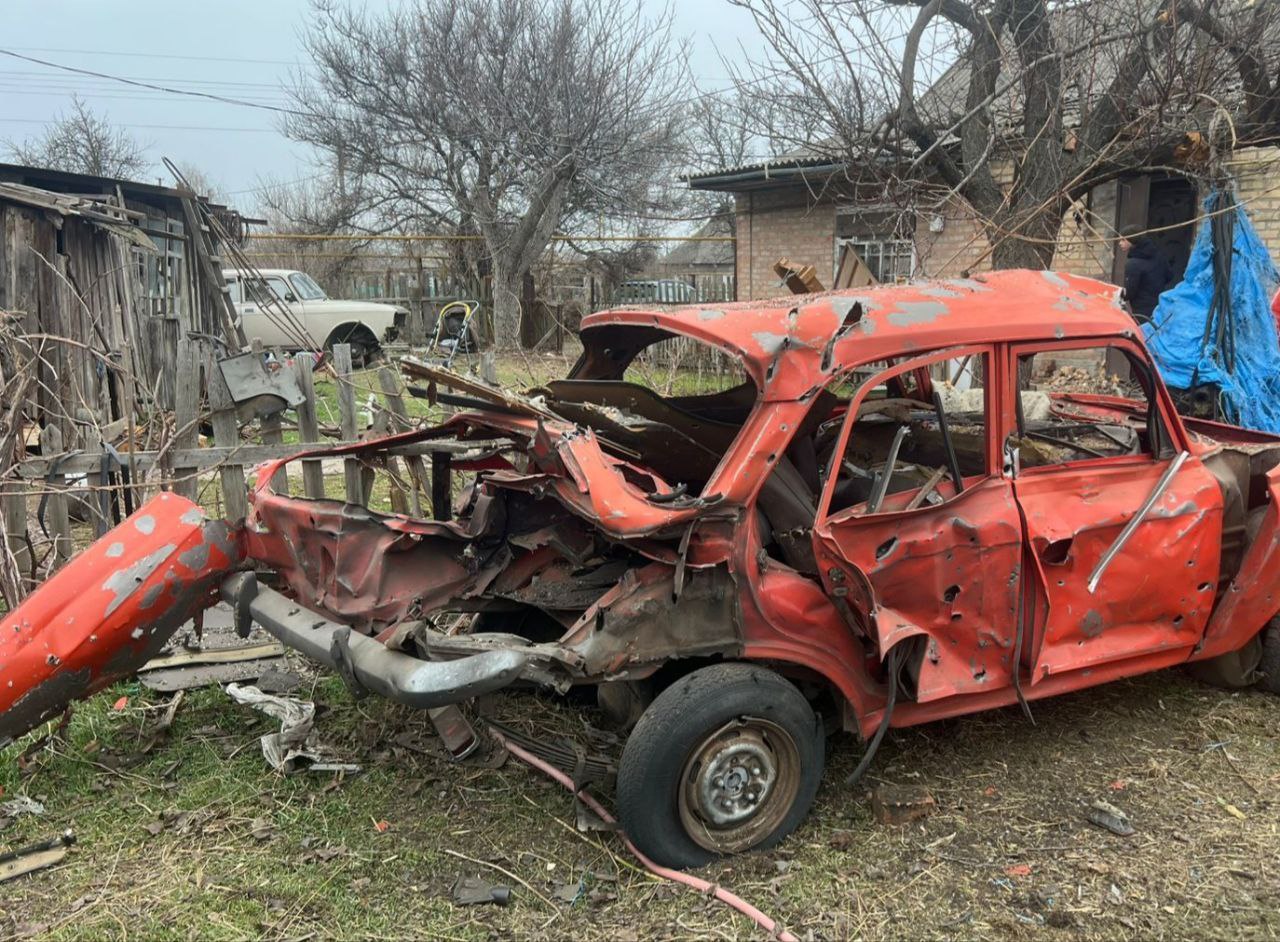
889	260
883	239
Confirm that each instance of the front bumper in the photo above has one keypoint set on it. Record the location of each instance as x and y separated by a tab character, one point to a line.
367	664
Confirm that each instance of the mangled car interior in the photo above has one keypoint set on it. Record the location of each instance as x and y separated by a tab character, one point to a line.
883	512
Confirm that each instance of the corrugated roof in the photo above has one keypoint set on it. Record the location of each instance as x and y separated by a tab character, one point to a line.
776	170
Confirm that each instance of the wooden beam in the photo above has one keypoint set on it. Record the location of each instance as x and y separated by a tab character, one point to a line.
308	426
347	420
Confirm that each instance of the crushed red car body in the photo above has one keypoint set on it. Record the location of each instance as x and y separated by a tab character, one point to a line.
893	513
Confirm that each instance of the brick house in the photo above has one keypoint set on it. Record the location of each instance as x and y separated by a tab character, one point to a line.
800	209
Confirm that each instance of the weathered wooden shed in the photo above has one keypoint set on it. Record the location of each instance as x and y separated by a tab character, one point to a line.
107	275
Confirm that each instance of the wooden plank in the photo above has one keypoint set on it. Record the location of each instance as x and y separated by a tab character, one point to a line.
226	433
347	420
13	511
246	455
390	384
251	652
209	276
852	271
57	518
93	457
308	426
186	416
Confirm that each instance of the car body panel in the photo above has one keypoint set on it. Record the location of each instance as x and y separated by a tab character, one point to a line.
109	610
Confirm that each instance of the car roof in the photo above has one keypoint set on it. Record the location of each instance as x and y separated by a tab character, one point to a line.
241	272
875	322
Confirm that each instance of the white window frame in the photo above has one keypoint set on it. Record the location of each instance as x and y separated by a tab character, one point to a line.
859	243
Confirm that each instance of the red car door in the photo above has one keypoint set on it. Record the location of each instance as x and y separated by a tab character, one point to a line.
939	557
1112	578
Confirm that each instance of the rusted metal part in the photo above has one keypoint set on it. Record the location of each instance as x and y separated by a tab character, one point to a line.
110	610
901	805
1252	598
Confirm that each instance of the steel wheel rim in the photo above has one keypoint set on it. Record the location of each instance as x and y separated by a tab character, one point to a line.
738	784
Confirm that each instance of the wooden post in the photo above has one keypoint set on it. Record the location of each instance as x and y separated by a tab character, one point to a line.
186	414
226	433
58	520
347	420
101	498
390	384
489	368
13	513
308	426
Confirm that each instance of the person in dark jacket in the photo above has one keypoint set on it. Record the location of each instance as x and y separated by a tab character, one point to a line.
1146	272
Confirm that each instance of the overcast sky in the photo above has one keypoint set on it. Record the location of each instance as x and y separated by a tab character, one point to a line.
239	48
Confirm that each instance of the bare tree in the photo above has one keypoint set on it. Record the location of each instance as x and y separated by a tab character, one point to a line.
201	182
514	118
319	205
1019	107
81	141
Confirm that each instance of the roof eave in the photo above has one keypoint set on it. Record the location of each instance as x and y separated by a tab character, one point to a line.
765	178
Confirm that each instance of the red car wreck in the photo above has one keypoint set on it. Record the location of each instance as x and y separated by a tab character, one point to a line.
894	516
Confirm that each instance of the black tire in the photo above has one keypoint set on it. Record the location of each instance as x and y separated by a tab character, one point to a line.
1269	663
724	717
364	345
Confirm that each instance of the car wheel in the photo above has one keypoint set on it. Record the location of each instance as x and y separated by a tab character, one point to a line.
364	345
1269	662
726	759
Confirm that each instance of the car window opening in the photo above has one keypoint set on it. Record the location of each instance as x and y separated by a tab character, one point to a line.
670	404
1056	425
898	455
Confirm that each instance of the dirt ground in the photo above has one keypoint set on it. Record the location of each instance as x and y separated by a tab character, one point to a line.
191	835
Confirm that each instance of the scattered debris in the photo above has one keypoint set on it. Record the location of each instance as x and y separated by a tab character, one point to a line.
569	892
275	680
1108	816
901	805
798	277
262	829
291	748
454	730
587	820
1232	810
472	891
17	807
186	670
35	857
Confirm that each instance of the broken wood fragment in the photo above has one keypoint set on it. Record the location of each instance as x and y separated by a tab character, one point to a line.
35	857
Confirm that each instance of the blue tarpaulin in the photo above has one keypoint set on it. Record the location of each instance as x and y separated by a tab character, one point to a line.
1230	342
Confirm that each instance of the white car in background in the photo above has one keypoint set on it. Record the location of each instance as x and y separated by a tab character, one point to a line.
324	321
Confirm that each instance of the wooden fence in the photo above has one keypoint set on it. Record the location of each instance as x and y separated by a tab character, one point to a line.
100	483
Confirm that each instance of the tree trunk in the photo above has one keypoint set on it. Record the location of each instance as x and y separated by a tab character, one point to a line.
506	308
1021	242
1012	252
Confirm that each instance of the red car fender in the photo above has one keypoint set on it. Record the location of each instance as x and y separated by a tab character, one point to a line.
110	609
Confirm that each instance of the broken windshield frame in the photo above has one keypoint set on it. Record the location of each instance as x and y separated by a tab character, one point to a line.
683	438
881	377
